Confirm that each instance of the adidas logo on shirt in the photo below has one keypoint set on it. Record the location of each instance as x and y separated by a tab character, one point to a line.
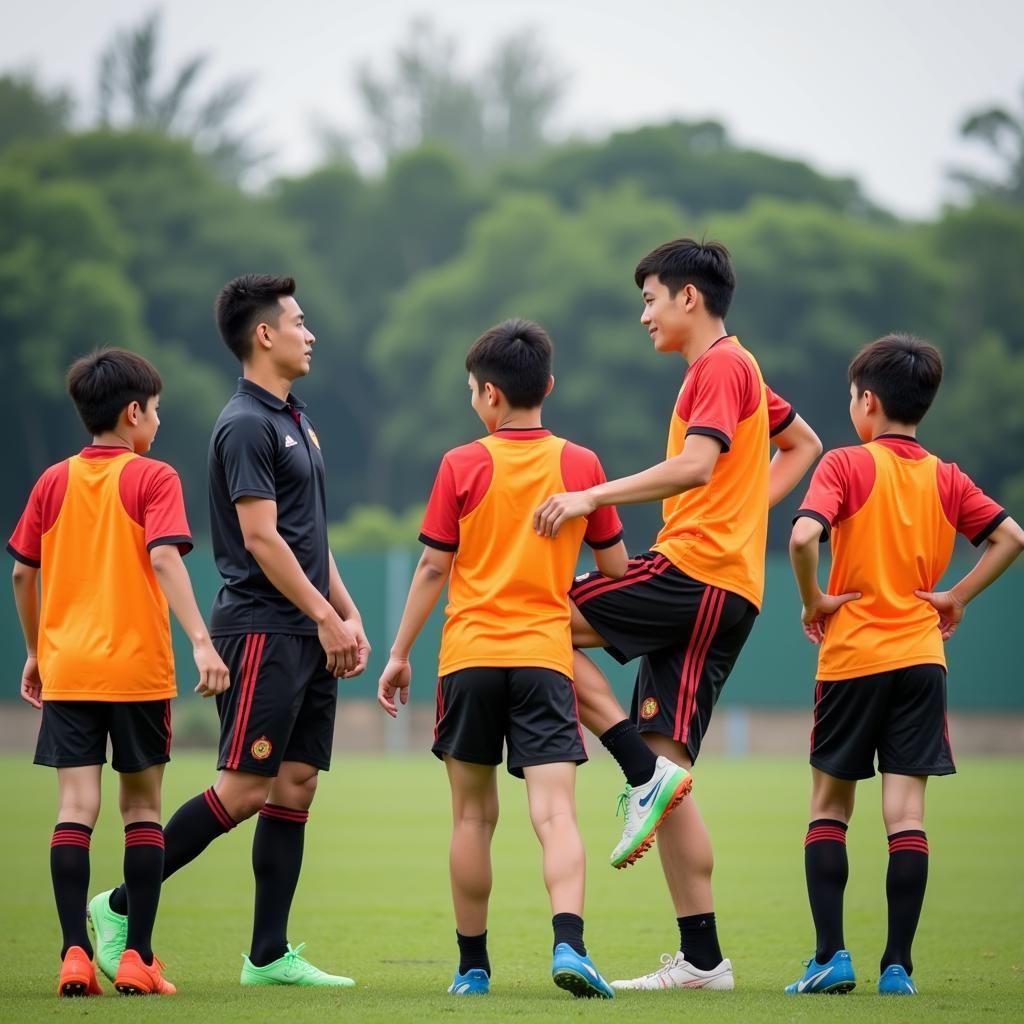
289	441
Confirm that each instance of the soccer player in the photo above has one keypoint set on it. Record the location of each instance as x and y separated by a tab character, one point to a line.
892	511
686	607
505	671
106	530
283	621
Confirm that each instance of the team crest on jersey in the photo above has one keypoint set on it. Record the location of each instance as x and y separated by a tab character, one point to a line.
261	748
312	436
648	709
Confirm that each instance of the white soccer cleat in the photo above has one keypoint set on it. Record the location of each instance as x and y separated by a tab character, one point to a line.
645	807
675	972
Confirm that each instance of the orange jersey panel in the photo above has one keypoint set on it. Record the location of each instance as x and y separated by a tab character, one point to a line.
718	533
899	540
508	603
104	633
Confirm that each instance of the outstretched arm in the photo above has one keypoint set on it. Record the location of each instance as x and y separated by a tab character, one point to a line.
427	583
798	447
690	468
1003	546
803	554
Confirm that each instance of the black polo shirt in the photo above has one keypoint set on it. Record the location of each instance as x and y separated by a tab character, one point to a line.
263	447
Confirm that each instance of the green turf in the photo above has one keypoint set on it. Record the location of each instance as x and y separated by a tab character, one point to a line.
373	903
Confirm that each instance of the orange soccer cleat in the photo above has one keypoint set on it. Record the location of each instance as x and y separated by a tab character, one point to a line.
135	978
78	974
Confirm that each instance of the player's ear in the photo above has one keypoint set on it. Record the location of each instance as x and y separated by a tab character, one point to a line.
262	336
493	394
551	384
132	413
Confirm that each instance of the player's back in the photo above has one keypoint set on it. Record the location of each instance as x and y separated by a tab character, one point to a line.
508	599
104	632
894	533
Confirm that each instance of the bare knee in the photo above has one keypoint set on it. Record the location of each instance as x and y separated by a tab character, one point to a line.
295	787
242	794
83	808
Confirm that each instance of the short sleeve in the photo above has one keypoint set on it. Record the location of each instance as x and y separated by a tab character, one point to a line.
247	449
717	396
163	511
972	512
582	469
826	492
26	543
780	412
441	521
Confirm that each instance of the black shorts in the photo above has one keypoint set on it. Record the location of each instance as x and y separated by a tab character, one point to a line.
533	710
901	714
73	733
687	635
280	705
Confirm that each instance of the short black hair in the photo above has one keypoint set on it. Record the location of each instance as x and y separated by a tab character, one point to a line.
243	303
103	383
705	265
903	371
514	356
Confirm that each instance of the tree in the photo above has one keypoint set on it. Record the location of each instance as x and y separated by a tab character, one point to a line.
500	112
1002	132
27	113
130	97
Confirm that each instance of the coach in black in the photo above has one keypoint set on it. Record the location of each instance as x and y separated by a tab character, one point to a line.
283	621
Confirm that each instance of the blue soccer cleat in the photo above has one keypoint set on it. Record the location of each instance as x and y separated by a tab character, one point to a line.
896	982
475	982
578	975
833	978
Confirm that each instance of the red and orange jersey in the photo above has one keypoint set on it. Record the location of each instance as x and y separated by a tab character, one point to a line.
717	533
893	511
508	603
88	526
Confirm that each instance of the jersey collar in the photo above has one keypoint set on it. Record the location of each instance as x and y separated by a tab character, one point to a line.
247	387
521	433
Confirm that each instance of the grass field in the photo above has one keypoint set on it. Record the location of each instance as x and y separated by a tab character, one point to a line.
373	903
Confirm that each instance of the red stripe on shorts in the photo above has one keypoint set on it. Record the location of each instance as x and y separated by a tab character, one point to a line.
643	568
242	712
708	616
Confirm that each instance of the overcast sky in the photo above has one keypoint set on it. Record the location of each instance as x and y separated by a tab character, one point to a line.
871	88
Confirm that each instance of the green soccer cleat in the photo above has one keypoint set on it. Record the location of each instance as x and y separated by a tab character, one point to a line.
110	931
646	807
291	969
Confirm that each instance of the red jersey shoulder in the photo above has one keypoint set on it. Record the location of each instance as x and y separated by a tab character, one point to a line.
970	511
462	481
41	511
840	484
581	468
151	494
719	390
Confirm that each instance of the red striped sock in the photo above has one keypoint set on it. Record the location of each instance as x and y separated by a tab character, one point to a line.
69	870
143	873
905	884
827	870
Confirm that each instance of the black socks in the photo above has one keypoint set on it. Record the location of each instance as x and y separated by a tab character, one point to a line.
473	953
624	742
698	940
69	869
143	873
827	869
904	888
276	863
193	826
569	928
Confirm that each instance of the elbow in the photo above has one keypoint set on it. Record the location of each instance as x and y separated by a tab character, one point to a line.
162	557
814	447
698	475
254	543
